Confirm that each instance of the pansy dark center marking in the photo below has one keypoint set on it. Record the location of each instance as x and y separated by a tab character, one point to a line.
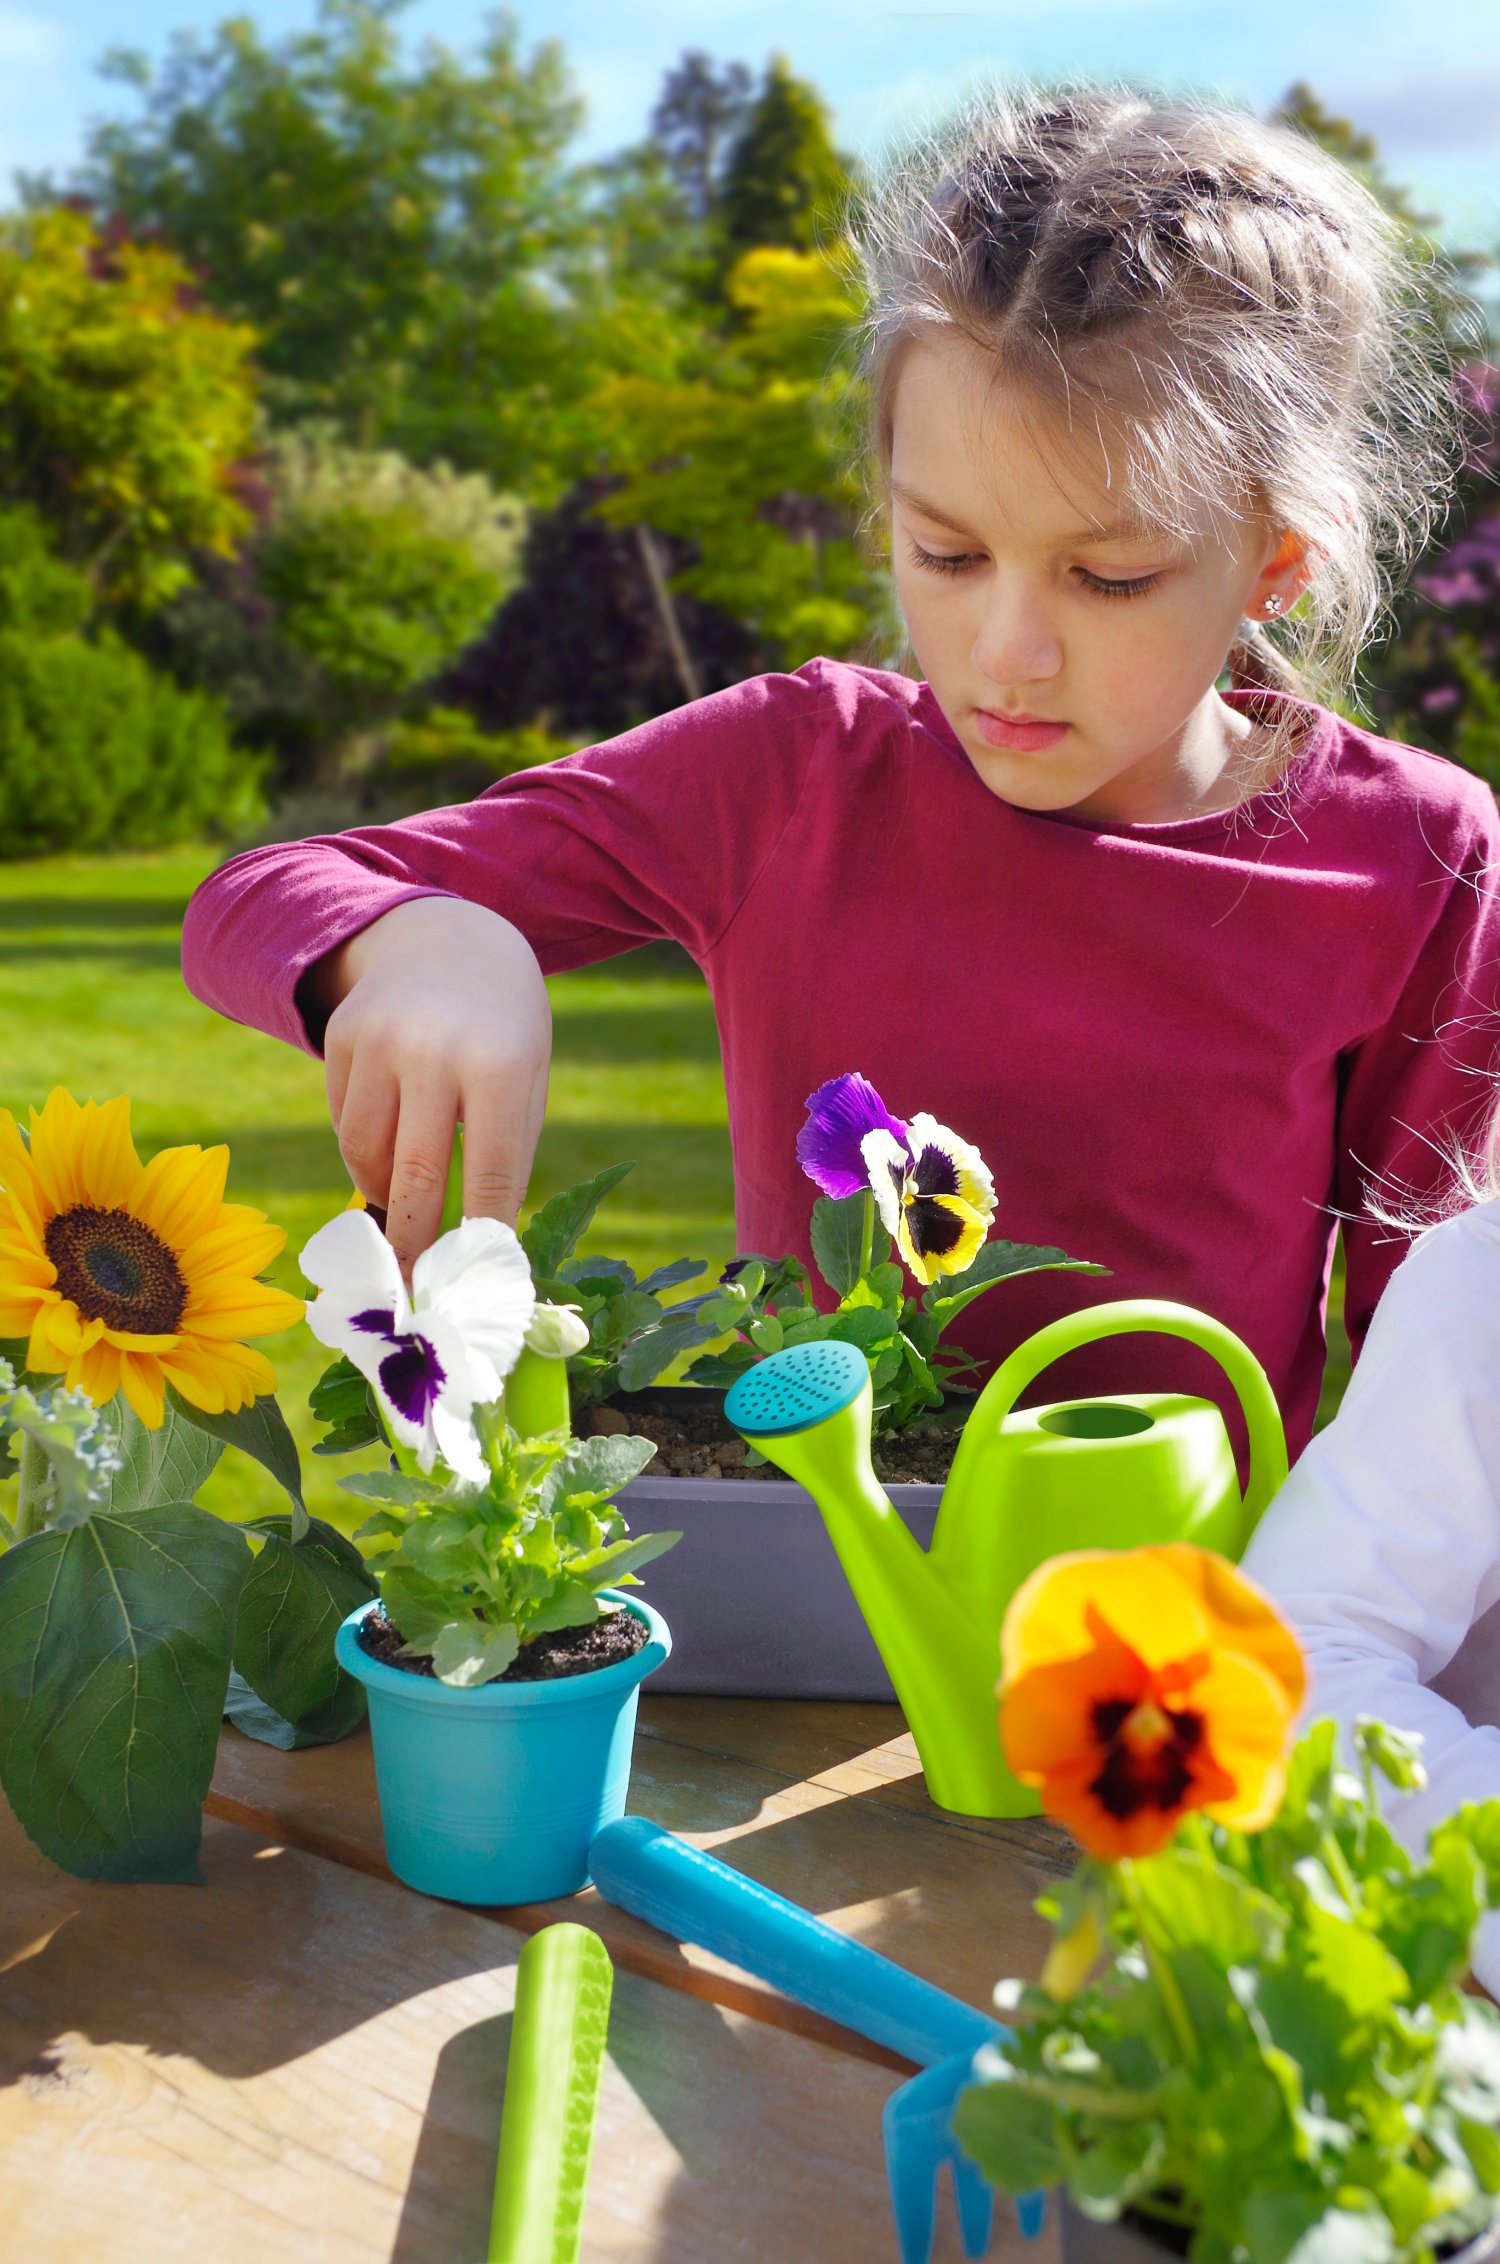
1148	1755
934	1173
934	1229
412	1378
115	1270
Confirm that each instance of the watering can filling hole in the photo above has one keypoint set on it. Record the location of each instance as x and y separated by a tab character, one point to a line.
1097	1422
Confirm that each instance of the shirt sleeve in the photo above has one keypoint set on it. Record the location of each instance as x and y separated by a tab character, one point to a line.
659	833
1383	1547
1422	1084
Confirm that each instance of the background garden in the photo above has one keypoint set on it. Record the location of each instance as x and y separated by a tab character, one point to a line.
361	442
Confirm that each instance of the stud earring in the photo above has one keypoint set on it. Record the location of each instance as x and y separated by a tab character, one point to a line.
1273	604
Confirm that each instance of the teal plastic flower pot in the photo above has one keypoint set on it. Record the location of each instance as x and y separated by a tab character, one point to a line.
494	1794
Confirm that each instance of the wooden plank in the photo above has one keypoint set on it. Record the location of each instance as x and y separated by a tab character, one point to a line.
854	1839
299	2062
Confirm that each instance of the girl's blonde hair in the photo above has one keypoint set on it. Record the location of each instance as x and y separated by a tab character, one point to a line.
1234	301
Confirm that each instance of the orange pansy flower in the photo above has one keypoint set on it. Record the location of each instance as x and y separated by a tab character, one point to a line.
127	1277
1139	1684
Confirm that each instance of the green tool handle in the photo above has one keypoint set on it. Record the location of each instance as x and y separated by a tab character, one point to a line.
552	2078
1153	1316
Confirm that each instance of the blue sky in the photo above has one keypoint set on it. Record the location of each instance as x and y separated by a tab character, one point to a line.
1424	79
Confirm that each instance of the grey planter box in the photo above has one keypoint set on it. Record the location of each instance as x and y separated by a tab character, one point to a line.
1085	2242
754	1595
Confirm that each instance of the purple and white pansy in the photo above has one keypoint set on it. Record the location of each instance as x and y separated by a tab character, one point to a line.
933	1190
435	1356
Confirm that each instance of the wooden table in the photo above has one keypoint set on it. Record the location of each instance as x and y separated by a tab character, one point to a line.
305	2062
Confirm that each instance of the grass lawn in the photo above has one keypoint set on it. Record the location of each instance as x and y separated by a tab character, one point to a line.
94	1001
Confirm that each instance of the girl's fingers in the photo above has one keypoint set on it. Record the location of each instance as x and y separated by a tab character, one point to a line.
369	1108
419	1171
502	1124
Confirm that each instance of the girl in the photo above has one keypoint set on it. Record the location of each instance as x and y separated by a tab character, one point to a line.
1190	967
1384	1545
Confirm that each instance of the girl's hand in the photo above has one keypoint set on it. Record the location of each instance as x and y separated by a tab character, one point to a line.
439	1017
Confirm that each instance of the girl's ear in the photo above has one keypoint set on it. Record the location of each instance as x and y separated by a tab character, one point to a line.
1281	580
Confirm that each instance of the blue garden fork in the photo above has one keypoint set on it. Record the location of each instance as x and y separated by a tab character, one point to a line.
695	1898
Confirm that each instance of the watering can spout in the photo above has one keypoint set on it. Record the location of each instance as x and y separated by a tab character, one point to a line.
809	1411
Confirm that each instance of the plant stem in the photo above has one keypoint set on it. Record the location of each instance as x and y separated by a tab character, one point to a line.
1161	1971
32	1489
867	1234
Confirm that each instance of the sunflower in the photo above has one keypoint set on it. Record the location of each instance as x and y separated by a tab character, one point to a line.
127	1277
1140	1684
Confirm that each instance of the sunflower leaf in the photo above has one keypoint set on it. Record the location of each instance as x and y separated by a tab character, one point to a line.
166	1465
259	1431
289	1612
114	1659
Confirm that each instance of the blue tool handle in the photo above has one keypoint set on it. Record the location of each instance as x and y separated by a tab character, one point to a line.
695	1898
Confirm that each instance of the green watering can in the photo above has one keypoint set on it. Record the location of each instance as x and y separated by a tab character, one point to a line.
1026	1484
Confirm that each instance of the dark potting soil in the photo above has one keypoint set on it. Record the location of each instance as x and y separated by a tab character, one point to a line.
546	1658
696	1442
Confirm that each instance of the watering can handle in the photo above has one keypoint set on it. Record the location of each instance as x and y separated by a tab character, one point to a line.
1268	1458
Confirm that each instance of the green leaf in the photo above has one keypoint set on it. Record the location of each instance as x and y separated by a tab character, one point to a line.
838	1226
165	1465
672	1276
259	1431
1354	1965
608	1565
602	1465
254	1718
343	1402
1010	2135
114	1661
1000	1261
551	1235
297	1593
392	1486
652	1353
1185	1901
466	1653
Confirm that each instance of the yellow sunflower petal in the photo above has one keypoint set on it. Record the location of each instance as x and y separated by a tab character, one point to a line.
243	1242
96	1370
219	1378
143	1385
108	1163
249	1308
56	1337
23	1192
57	1136
180	1193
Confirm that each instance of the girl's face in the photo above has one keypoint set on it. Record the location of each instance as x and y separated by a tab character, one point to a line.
1076	661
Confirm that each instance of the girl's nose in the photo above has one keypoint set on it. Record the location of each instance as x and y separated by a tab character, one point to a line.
1017	643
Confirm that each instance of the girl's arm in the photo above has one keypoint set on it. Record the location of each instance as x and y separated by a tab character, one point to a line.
1383	1547
1420	1084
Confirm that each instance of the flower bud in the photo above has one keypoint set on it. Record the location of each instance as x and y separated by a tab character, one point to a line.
557	1331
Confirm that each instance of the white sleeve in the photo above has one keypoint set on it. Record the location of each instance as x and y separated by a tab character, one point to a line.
1383	1547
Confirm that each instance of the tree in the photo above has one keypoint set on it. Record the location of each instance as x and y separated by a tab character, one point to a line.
404	232
749	460
784	182
700	110
125	406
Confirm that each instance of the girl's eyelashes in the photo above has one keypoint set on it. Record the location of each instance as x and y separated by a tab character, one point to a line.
942	562
961	561
1136	586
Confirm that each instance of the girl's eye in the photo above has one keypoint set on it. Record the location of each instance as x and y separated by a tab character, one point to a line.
941	562
1137	587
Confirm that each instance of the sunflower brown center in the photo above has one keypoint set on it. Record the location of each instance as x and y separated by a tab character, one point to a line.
117	1271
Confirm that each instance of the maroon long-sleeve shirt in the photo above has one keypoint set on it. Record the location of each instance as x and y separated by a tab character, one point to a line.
1182	1049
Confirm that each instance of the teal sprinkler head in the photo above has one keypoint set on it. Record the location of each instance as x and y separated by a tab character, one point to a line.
1026	1484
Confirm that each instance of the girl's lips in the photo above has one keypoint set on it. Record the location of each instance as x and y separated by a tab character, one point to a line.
1025	737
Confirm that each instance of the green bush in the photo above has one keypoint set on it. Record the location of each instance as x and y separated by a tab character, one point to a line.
97	752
